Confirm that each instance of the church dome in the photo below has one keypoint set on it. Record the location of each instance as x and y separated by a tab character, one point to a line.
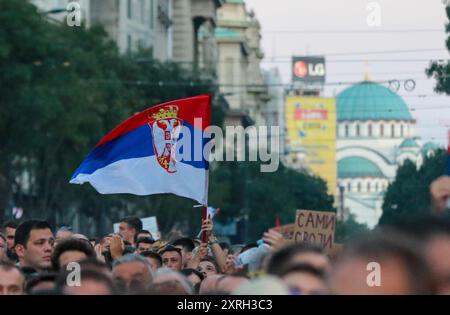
370	101
409	143
355	166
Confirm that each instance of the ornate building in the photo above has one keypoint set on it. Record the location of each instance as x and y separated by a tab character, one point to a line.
375	135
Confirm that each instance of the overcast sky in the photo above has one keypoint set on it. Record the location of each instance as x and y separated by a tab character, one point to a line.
282	18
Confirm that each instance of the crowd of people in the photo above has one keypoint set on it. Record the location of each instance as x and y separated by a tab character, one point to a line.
413	257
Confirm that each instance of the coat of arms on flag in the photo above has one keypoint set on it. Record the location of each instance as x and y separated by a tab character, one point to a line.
140	155
166	128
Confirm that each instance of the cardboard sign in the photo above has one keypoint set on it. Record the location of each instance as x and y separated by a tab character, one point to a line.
287	230
316	227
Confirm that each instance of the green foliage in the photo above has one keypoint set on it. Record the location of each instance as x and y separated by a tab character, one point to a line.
441	70
242	190
64	88
348	229
409	195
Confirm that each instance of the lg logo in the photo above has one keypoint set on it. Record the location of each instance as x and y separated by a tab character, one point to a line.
74	14
303	69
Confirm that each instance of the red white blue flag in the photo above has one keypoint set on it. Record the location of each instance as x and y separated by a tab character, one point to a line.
159	150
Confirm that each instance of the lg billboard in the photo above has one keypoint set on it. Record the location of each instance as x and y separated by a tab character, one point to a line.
308	70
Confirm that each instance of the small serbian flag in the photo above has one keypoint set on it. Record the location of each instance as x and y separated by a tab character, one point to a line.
157	151
211	212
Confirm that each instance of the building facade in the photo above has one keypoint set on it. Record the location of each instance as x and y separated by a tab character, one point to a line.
375	135
194	22
239	73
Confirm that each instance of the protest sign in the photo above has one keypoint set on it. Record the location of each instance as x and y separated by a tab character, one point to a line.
316	227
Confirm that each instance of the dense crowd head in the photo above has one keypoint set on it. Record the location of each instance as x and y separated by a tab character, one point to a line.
407	257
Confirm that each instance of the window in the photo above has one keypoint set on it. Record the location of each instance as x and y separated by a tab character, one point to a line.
349	187
359	187
129	13
392	131
381	130
376	187
401	131
346	130
370	130
368	187
357	130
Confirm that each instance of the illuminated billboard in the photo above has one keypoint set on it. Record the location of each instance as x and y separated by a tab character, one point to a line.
311	129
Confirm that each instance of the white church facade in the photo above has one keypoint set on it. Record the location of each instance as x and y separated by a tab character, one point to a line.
375	135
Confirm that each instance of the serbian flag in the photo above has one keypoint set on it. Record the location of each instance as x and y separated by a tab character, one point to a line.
157	151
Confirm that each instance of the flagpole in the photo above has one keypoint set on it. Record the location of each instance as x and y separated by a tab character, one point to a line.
205	211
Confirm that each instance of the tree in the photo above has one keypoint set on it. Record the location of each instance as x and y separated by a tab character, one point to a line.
63	88
441	70
409	194
243	191
348	229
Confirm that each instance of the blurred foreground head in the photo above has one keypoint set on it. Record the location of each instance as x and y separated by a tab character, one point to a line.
132	273
300	253
433	232
168	281
381	262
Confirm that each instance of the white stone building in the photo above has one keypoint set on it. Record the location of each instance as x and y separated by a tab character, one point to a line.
239	72
375	135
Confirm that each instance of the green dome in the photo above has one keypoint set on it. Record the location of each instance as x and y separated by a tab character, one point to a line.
429	146
409	143
370	101
358	167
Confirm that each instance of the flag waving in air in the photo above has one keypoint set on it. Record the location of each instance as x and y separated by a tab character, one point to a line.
159	150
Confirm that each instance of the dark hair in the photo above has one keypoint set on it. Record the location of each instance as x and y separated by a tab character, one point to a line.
144	232
68	245
384	244
187	243
281	260
134	222
92	263
145	240
170	248
42	277
150	254
306	268
189	271
422	227
24	230
10	224
225	245
86	274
